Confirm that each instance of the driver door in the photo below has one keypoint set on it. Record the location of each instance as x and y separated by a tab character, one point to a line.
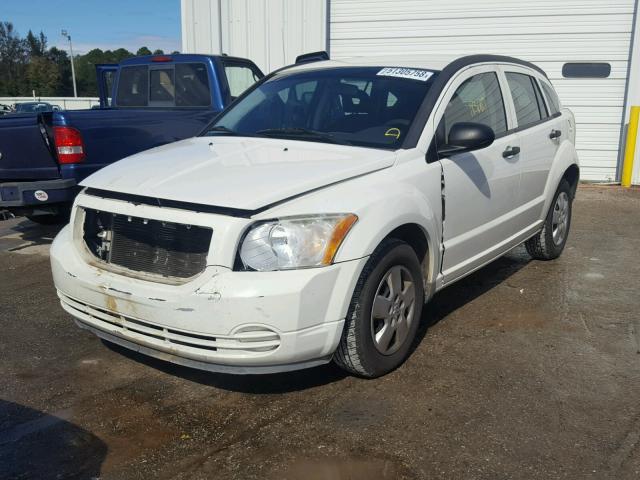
480	187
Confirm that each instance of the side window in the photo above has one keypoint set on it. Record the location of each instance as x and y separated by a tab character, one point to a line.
526	98
240	77
477	100
552	98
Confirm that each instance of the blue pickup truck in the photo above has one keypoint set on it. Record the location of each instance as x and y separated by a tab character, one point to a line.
145	102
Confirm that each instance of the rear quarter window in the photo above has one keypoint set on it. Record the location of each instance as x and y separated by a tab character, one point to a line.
552	98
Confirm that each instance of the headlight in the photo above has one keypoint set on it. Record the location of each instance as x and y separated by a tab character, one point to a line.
295	242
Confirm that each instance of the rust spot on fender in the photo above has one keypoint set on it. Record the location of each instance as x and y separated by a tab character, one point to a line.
111	304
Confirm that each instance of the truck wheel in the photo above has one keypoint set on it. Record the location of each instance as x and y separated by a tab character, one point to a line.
384	313
549	242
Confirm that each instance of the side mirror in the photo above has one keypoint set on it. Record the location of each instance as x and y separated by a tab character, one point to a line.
467	136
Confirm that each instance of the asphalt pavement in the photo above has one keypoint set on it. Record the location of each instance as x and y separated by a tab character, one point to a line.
523	370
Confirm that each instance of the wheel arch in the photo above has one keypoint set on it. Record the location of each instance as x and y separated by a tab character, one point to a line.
420	234
565	166
572	176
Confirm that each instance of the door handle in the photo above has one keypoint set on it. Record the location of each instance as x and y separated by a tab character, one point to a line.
555	134
510	152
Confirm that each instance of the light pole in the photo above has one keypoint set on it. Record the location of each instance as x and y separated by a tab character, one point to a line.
73	70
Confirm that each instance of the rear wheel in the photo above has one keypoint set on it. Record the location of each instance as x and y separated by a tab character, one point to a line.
384	314
550	241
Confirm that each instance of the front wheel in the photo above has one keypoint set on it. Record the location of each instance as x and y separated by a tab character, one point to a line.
384	314
550	241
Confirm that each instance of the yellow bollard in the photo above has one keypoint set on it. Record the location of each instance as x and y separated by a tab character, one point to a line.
630	149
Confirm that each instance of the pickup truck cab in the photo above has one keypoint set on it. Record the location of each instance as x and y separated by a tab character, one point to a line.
313	219
153	100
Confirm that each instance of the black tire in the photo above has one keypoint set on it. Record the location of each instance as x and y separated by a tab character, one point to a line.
542	246
357	352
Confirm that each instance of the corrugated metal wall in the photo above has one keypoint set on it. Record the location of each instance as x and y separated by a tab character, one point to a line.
546	32
272	33
200	26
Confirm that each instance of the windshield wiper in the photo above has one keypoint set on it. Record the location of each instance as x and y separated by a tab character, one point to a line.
222	129
302	132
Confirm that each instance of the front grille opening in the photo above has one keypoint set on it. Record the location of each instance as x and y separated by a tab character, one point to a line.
147	246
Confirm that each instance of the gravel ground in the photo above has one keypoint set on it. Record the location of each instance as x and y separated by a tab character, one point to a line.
524	370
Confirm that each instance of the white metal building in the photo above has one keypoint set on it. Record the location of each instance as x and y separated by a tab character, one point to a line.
556	35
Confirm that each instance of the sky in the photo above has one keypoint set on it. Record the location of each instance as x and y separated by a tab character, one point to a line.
105	24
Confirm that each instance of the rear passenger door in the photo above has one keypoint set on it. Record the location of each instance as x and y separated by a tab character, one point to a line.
480	187
538	126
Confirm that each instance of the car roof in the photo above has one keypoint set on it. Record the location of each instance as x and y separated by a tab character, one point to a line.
436	62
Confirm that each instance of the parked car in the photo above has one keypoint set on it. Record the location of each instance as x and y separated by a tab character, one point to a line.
156	100
35	107
314	218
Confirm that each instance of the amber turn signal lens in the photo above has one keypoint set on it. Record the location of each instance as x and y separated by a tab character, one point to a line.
339	233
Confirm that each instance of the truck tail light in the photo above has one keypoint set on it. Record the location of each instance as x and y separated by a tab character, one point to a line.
69	146
161	58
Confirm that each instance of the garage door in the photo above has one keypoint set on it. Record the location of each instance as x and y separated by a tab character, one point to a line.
546	32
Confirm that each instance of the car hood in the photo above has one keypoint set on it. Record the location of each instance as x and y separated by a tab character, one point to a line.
237	172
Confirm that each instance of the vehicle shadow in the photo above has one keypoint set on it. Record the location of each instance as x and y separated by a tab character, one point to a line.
35	445
285	382
469	288
25	233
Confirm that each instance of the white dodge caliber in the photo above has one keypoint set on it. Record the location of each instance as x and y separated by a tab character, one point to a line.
317	214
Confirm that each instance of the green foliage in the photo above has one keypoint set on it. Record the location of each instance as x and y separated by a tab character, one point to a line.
13	60
43	76
26	64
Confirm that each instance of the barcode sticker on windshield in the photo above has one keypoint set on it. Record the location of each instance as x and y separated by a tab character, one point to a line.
410	73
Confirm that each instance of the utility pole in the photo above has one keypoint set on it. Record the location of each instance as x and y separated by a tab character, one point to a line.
73	70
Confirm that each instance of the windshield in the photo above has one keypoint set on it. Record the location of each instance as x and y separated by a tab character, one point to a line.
364	106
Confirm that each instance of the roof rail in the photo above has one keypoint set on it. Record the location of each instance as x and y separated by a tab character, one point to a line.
312	57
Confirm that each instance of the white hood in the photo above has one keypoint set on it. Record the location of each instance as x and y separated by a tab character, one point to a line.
237	172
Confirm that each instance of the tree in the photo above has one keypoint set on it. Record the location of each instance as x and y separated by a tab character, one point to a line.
27	64
13	59
61	59
143	51
43	76
37	44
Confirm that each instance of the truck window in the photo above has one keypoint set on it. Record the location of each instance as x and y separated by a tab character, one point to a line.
239	77
162	86
133	86
179	85
192	85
